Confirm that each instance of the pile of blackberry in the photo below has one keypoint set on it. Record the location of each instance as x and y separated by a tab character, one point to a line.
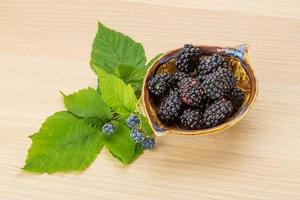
201	94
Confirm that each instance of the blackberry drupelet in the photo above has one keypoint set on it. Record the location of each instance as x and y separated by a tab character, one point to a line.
159	84
192	92
178	77
237	97
137	136
170	107
209	64
192	119
187	58
185	80
217	112
218	83
148	143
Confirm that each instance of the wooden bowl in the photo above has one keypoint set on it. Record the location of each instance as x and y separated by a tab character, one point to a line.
238	64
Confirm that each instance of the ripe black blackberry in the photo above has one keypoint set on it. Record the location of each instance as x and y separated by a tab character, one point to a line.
178	77
217	112
159	84
192	92
170	108
218	83
192	119
237	97
187	58
209	64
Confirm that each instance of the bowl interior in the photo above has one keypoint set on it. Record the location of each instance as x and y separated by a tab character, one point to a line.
238	64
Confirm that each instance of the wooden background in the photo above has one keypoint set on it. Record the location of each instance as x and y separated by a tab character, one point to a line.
45	47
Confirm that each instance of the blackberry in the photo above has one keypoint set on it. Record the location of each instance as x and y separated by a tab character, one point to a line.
217	112
132	121
201	78
192	92
237	97
192	119
170	107
209	64
137	136
108	129
187	58
159	84
184	81
218	83
178	77
148	143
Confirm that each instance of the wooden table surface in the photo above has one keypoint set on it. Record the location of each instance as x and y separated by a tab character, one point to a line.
45	47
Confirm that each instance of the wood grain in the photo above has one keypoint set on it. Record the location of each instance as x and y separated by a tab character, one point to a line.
45	47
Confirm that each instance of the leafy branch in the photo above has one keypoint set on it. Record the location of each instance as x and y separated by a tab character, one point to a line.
70	140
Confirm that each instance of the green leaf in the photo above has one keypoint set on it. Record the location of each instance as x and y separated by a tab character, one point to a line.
87	103
121	146
32	135
131	75
145	126
116	93
64	143
112	48
153	60
138	151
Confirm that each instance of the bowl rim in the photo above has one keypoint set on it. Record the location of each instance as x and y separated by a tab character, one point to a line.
243	56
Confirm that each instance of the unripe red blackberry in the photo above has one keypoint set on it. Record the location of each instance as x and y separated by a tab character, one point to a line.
192	92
